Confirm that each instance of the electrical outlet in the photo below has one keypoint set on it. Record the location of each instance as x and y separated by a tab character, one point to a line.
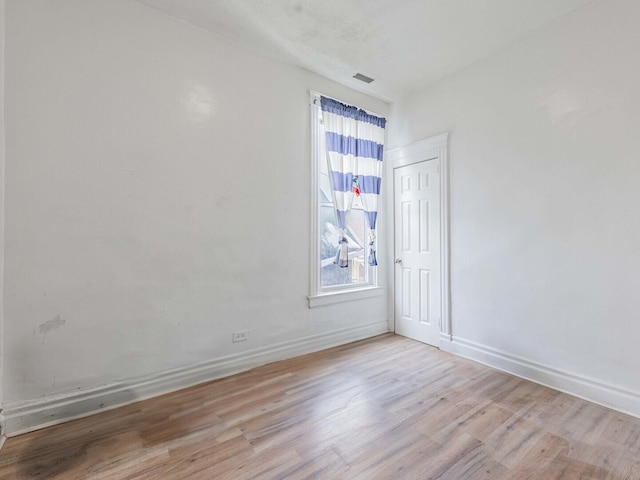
240	336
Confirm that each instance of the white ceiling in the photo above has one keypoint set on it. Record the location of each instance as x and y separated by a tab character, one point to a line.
403	44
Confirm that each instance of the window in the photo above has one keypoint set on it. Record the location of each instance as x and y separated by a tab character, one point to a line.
328	279
331	275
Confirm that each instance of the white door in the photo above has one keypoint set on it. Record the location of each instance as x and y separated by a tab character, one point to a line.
417	251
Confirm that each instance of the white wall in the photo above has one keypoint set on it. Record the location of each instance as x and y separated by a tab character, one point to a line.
545	220
157	200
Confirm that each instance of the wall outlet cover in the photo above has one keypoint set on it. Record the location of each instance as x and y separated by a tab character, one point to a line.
240	336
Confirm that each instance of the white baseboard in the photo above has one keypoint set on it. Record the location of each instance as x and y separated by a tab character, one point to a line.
610	396
48	411
3	437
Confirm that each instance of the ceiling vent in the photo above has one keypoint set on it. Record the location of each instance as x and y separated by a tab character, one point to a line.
363	78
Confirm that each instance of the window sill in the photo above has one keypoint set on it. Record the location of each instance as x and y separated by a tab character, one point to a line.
323	299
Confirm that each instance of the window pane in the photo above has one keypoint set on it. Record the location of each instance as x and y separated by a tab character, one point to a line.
356	273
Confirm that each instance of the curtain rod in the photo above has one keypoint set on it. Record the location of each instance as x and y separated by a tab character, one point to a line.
315	97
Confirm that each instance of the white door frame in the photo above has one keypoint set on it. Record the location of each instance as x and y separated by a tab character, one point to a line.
429	149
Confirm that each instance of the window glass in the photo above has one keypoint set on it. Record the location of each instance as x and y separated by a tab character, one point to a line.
332	276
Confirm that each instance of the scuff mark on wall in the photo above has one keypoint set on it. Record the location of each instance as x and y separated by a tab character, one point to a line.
51	325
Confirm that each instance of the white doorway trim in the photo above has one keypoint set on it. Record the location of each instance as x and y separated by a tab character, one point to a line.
429	149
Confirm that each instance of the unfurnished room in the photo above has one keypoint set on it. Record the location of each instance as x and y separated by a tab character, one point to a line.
304	239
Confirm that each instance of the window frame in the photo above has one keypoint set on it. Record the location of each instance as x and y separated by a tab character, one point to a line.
327	295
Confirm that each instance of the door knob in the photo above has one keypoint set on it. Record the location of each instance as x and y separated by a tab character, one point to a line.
398	260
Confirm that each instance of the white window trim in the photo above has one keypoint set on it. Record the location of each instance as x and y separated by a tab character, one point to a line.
318	296
338	296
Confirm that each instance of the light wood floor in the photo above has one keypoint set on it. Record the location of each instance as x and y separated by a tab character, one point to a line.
384	408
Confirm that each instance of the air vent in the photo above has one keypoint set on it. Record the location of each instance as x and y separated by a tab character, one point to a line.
363	78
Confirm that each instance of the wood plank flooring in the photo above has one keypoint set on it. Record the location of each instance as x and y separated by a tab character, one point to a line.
383	408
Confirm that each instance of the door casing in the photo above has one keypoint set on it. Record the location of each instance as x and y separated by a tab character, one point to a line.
429	149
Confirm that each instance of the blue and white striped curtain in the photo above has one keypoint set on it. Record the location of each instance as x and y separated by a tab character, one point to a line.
355	141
